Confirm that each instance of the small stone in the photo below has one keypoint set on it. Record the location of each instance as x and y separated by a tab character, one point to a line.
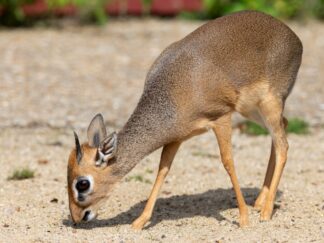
54	200
223	222
42	161
6	225
166	192
56	143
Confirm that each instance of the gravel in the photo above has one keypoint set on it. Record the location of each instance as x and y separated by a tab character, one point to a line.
55	80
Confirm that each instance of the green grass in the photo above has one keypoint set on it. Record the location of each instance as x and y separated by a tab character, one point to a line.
149	171
252	128
22	174
138	178
295	125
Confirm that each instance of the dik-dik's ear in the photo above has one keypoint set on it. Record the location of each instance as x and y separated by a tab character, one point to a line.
78	151
96	131
107	149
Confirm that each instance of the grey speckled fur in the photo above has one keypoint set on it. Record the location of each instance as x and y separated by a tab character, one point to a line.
200	77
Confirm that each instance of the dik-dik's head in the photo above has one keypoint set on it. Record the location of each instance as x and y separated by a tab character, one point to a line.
89	172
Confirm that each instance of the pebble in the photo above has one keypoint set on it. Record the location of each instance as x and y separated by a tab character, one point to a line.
54	200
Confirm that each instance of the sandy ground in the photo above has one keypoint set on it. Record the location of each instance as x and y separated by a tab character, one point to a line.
55	80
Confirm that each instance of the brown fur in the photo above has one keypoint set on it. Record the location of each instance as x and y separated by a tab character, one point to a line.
103	184
245	62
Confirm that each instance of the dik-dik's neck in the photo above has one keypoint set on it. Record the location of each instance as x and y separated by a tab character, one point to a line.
149	128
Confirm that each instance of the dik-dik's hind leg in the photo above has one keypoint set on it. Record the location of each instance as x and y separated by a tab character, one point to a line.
223	131
271	110
167	157
267	180
260	201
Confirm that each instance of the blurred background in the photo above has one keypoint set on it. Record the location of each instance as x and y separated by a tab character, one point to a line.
22	12
69	50
63	61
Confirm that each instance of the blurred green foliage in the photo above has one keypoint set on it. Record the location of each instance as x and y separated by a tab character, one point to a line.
94	10
147	5
295	125
14	14
319	9
252	128
278	8
89	10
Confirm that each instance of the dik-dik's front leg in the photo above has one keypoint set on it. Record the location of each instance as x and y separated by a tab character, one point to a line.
223	131
167	157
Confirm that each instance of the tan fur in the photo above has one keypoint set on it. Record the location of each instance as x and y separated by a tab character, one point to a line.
246	62
260	201
247	104
104	181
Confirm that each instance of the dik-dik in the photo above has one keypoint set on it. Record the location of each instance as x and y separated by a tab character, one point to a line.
245	62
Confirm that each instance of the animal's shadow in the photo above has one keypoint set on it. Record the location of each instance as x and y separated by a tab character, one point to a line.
208	204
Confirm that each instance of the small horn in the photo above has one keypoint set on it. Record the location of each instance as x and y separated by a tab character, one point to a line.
78	148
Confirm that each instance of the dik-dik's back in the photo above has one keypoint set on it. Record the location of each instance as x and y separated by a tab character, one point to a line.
227	64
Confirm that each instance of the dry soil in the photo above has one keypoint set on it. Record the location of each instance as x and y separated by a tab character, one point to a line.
54	80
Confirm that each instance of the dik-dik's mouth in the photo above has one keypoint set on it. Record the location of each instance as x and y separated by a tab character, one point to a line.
88	216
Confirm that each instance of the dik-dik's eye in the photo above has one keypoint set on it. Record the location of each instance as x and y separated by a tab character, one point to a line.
82	185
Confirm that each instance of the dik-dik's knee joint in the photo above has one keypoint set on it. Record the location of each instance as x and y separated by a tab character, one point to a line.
228	167
284	146
281	144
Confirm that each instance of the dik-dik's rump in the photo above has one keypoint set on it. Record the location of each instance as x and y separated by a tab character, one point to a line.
245	62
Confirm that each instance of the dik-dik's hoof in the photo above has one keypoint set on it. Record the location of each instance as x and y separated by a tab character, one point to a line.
244	221
258	206
260	201
266	212
139	223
